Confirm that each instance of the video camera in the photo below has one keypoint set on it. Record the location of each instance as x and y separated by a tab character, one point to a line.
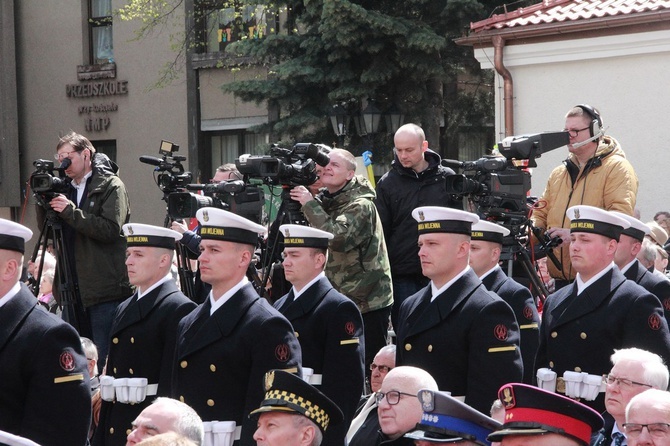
234	195
43	181
171	176
290	167
496	184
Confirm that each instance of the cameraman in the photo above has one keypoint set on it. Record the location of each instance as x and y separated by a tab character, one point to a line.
596	173
94	210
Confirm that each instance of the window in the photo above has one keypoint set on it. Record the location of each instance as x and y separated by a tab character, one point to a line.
227	147
100	32
231	22
107	146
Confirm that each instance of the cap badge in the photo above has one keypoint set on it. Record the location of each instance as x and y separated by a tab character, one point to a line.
508	397
288	233
421	216
130	230
269	379
205	215
577	213
427	403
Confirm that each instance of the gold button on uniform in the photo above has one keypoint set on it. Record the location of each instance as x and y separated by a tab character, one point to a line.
582	335
181	398
128	431
132	340
111	430
210	403
430	348
212	367
115	340
183	364
551	364
578	369
115	370
130	371
554	334
408	347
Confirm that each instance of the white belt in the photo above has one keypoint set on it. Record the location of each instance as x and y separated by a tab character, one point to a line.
571	384
220	433
310	377
126	390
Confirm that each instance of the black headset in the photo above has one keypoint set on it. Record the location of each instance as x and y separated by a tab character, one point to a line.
596	121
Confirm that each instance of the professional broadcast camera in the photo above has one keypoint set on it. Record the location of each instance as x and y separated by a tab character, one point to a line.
290	167
234	195
496	184
43	181
171	174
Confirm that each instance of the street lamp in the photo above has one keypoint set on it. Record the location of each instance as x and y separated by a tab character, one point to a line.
339	119
394	119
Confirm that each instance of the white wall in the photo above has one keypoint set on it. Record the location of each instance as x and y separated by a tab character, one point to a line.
625	77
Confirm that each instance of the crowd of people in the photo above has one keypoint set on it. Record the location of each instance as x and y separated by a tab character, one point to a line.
475	360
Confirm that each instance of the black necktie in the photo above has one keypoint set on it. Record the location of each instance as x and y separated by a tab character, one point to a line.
618	438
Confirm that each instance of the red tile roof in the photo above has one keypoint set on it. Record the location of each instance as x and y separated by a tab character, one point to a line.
553	11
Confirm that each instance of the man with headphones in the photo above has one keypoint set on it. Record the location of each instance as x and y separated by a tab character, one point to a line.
596	173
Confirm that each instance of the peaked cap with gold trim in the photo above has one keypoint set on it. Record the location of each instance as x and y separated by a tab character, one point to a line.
285	392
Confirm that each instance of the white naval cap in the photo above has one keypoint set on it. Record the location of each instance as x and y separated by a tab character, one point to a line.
657	234
637	229
138	234
441	219
591	219
489	232
300	236
217	224
13	236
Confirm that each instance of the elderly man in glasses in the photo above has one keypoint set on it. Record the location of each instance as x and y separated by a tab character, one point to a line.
648	418
399	409
633	371
364	427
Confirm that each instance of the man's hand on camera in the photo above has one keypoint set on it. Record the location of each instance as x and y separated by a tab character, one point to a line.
59	203
301	194
563	233
179	226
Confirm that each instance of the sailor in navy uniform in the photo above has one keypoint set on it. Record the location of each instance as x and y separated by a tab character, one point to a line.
485	249
464	336
225	346
44	383
328	324
143	333
601	311
629	246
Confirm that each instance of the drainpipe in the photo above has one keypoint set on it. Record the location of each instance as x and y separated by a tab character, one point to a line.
508	84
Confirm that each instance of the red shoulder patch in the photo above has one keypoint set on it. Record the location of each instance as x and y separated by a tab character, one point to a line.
67	361
500	332
654	321
282	353
666	304
528	312
349	328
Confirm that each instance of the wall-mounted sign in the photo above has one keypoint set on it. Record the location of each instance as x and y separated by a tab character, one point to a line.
97	114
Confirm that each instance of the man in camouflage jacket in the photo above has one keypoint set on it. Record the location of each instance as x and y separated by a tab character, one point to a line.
358	267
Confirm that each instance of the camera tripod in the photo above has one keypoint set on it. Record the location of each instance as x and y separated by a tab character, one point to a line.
68	289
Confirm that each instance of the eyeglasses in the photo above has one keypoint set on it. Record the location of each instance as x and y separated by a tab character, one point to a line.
382	368
392	397
655	429
63	155
573	133
623	382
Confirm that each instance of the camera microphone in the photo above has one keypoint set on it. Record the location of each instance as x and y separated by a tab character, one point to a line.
600	134
154	161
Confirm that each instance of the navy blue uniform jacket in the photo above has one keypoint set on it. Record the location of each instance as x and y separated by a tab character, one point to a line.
329	327
467	339
221	359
